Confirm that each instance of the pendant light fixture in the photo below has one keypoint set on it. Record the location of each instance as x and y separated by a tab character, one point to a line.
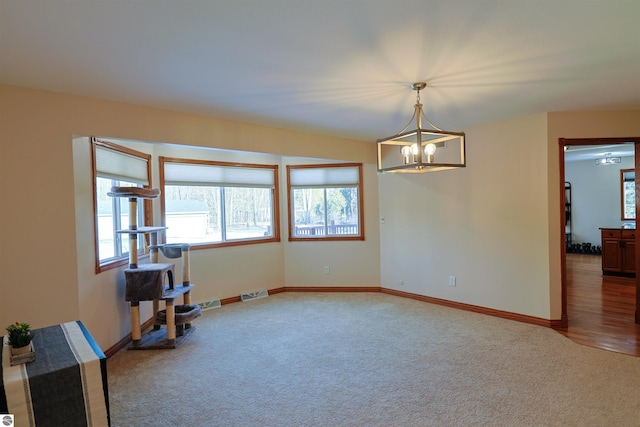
608	160
421	149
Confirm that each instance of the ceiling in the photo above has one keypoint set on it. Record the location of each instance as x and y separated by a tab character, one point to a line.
576	153
337	67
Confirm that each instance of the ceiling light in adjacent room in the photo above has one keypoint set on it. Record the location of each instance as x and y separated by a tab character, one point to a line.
608	160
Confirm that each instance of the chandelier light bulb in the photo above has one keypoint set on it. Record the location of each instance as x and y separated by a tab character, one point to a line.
406	153
430	149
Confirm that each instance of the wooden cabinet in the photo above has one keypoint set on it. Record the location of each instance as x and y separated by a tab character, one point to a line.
629	254
618	251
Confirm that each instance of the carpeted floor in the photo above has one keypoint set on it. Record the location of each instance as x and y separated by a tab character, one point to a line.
370	359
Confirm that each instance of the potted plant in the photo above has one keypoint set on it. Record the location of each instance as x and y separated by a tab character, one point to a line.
20	337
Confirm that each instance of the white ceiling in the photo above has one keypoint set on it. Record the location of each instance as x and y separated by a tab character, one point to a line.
340	67
578	153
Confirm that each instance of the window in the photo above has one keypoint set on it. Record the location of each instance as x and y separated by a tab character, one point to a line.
628	193
118	166
325	202
218	203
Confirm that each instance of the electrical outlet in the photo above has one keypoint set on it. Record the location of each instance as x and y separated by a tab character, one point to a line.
452	280
326	269
400	282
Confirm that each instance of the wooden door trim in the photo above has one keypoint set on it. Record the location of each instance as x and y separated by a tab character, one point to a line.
562	142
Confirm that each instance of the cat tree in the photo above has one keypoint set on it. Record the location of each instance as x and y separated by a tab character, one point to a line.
155	281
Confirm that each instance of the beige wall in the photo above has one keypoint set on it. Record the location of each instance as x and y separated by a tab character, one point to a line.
495	225
485	224
352	263
47	260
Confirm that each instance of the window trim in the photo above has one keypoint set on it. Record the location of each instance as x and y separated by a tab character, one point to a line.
238	242
360	236
148	208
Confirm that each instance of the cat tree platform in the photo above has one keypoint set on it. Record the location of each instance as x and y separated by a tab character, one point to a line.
154	282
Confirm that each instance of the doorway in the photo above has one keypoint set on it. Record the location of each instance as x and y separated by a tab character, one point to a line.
584	143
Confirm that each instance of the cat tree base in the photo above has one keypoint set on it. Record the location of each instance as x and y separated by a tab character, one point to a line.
157	340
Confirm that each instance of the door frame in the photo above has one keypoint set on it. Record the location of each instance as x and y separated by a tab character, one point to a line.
568	142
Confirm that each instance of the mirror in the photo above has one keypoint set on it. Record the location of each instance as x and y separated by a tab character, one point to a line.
628	193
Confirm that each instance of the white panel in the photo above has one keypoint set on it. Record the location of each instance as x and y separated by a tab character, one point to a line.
195	174
121	166
331	176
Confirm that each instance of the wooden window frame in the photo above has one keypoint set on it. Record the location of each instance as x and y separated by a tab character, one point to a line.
330	238
147	204
275	191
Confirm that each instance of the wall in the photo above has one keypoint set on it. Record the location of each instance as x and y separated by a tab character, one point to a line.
47	266
495	225
485	224
595	198
305	262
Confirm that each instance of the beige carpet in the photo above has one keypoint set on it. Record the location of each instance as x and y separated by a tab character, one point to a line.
370	359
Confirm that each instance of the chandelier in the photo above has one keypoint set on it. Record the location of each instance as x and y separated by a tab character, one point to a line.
421	149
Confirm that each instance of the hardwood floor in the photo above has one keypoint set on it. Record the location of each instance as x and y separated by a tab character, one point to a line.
600	309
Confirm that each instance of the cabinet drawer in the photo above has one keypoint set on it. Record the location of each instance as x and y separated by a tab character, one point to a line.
616	234
628	234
